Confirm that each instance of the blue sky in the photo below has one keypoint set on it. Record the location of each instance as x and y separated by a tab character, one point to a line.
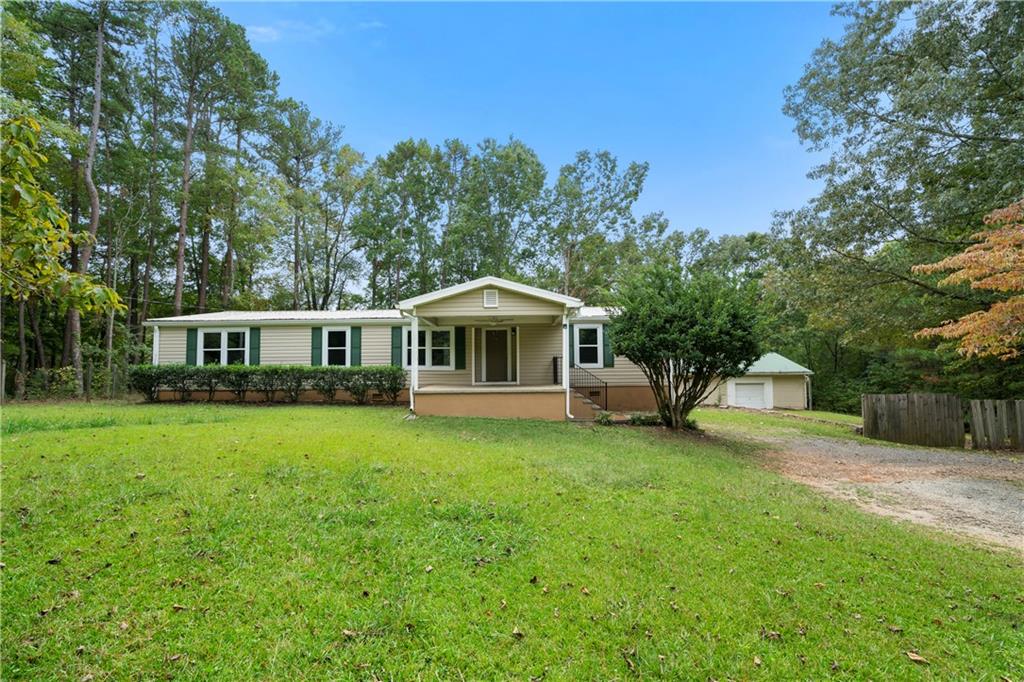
694	89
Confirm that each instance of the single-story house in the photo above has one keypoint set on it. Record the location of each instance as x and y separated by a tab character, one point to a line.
490	347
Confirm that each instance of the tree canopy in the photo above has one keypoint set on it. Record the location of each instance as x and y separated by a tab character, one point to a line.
190	184
687	333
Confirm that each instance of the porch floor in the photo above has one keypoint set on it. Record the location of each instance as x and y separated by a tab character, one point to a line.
491	388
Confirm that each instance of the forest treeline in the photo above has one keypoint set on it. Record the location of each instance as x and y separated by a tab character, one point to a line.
201	189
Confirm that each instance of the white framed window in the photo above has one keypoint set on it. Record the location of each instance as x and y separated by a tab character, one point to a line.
336	345
490	298
223	347
589	345
435	348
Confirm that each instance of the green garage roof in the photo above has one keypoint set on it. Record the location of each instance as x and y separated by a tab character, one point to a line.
773	363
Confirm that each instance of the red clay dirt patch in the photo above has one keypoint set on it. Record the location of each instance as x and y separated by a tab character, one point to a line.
968	494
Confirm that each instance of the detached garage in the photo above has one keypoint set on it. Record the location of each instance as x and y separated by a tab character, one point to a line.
773	382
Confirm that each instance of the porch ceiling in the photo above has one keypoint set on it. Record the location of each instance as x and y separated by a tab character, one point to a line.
478	320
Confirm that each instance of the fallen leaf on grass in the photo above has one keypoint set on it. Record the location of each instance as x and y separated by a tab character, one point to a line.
895	628
585	591
517	633
428	569
140	476
757	661
533	580
917	658
179	607
349	634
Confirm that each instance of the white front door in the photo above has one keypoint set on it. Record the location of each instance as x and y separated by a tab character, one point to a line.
750	395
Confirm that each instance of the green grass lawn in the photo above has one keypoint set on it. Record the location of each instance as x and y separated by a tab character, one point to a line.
732	422
347	543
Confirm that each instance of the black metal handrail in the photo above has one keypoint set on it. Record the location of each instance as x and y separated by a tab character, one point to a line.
587	384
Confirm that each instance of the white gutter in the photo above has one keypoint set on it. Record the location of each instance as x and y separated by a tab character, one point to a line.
156	344
565	366
306	322
414	382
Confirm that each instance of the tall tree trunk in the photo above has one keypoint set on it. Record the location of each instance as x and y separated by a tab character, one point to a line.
152	209
76	216
94	196
22	374
227	278
110	330
186	183
296	268
204	263
133	296
33	316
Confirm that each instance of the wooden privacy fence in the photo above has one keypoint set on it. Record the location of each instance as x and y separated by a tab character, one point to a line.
914	418
997	424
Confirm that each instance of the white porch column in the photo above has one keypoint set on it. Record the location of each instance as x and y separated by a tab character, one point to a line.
565	366
415	353
156	345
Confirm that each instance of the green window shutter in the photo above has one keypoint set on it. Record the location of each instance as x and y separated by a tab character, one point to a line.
316	343
572	346
191	341
609	358
254	345
460	348
355	350
396	346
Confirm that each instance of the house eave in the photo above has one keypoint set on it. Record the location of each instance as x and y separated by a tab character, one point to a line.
497	282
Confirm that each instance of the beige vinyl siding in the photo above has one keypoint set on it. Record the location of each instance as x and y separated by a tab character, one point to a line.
716	396
537	346
172	345
285	345
788	392
376	345
624	373
472	303
435	377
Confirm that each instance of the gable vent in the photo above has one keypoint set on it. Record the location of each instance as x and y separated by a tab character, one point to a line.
490	298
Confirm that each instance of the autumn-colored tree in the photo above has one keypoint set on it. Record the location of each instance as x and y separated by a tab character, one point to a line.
995	263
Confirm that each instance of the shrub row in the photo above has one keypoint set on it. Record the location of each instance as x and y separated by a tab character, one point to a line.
268	380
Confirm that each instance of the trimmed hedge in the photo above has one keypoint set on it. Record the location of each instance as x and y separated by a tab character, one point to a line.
269	380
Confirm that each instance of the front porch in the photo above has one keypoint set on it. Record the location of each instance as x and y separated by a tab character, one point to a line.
506	368
494	348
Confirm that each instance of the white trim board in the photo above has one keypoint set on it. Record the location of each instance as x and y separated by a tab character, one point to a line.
491	282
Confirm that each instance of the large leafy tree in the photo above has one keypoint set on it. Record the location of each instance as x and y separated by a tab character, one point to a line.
298	145
687	333
37	237
918	106
587	211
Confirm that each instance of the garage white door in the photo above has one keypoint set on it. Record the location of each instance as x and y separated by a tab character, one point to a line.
750	395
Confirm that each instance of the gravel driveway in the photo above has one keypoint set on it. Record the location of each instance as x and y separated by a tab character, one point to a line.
977	495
